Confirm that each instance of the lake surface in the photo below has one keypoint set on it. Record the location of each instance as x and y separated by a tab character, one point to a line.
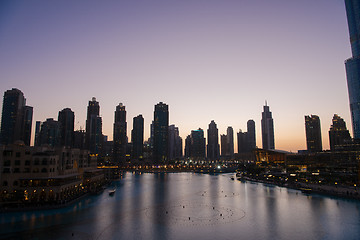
190	206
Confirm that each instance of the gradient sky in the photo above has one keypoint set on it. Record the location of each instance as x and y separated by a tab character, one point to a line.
207	59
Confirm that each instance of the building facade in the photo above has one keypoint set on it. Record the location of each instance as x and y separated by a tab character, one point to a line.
120	137
267	129
16	119
66	118
175	143
161	128
213	148
137	137
338	133
353	64
93	127
313	133
50	133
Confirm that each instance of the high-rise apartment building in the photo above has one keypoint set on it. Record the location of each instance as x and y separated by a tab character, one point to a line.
353	64
196	145
16	118
137	137
66	118
161	128
37	133
338	133
267	129
224	145
175	143
251	136
50	133
313	133
230	141
94	136
242	140
213	148
120	136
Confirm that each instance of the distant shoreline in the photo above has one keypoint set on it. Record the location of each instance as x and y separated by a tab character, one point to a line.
310	188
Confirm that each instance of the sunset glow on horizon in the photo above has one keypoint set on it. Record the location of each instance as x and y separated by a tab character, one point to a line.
208	60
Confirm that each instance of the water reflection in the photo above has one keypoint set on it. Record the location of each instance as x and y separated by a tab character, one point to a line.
187	206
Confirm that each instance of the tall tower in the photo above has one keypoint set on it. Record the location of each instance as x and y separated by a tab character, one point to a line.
313	133
66	119
16	118
50	133
137	137
251	137
197	144
230	141
161	128
175	143
93	127
353	64
267	129
120	139
213	148
338	133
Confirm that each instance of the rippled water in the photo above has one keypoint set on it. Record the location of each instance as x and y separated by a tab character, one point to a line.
190	206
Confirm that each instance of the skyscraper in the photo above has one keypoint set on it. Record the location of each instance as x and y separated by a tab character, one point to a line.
242	142
197	145
224	145
213	148
338	133
16	118
37	133
66	118
251	136
120	137
161	128
313	133
353	64
50	133
137	137
175	143
94	136
230	141
267	129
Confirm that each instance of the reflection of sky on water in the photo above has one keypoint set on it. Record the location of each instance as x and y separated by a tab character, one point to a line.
188	205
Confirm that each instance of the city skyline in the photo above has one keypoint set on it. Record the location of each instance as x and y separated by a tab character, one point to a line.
213	61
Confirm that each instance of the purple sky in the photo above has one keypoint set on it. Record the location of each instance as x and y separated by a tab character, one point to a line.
207	59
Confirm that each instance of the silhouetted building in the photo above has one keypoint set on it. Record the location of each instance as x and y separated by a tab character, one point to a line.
353	64
187	146
242	139
230	141
120	137
338	133
16	118
137	137
161	128
267	129
251	136
175	143
213	148
313	133
93	127
224	145
79	139
66	119
247	140
197	145
37	133
50	133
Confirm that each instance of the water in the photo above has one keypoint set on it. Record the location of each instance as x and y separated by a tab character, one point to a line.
190	206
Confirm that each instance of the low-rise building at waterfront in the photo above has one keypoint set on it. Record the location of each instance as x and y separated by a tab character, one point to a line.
31	175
